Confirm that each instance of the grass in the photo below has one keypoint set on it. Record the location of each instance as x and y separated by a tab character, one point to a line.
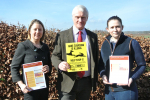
144	35
147	36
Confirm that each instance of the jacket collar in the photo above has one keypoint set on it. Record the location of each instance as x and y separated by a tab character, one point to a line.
30	45
120	39
69	36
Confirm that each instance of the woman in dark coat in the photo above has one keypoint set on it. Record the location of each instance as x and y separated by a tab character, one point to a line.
117	44
32	50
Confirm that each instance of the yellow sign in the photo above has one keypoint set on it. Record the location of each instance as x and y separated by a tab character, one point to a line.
77	56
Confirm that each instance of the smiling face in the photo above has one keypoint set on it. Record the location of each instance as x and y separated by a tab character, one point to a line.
36	32
114	28
79	19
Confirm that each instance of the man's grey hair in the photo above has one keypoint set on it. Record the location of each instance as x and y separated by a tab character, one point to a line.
80	8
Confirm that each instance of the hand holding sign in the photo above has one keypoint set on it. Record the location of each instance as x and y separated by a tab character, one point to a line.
76	54
64	66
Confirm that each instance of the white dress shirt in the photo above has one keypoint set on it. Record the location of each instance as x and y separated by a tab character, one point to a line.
84	39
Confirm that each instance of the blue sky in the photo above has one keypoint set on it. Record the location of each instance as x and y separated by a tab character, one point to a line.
135	14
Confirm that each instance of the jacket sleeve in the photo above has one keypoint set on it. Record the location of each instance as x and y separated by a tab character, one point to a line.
101	67
96	60
49	60
57	53
139	59
17	62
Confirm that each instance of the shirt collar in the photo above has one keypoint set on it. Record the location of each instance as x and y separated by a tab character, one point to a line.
75	30
113	40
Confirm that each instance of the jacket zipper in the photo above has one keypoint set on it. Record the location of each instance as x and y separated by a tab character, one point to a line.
112	52
109	45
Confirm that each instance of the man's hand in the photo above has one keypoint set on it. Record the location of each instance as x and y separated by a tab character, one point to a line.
64	66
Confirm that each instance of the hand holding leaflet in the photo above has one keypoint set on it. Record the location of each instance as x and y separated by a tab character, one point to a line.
24	88
129	83
45	69
105	80
34	75
119	70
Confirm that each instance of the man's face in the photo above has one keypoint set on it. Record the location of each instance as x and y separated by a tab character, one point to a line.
79	19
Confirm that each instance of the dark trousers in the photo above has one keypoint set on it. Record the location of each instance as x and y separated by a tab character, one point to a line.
41	94
80	91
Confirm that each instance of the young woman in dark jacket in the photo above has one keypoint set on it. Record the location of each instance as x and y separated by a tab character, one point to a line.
118	44
32	50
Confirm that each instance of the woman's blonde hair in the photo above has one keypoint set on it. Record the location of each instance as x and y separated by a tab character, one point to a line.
38	22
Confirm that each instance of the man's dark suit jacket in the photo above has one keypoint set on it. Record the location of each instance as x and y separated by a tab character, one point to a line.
66	80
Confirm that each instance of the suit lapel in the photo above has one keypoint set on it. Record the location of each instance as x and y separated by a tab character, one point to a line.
69	36
91	41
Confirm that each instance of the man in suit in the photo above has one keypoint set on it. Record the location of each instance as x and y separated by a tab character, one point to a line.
70	85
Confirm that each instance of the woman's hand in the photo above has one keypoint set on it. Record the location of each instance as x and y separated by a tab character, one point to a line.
45	69
129	83
24	88
105	80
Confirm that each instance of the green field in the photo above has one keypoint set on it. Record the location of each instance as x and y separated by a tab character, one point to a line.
143	35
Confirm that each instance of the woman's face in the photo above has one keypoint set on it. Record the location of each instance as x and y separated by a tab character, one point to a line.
36	32
114	28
